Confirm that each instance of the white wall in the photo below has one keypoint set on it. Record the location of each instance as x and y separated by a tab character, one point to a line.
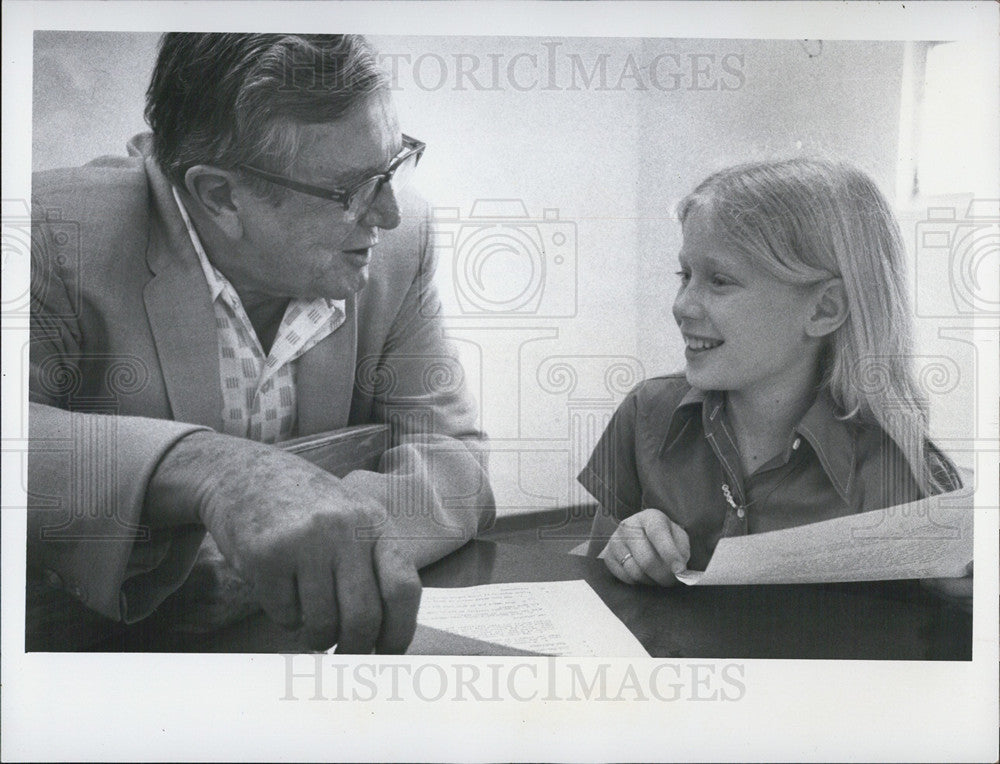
88	94
598	162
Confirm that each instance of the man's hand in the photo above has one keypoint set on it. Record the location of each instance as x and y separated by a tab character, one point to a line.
303	541
647	548
212	597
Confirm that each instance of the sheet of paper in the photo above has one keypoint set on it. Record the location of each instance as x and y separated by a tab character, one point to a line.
564	618
925	539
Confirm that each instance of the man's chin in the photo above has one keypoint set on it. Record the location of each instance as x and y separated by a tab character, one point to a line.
348	286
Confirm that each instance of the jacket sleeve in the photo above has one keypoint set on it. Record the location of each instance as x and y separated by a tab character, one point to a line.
433	479
88	468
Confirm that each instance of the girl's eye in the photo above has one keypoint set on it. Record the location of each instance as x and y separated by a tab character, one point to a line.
684	276
719	280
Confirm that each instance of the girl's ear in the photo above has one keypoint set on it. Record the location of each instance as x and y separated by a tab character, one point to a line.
829	309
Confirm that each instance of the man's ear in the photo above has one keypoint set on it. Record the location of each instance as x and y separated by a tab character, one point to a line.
829	308
213	190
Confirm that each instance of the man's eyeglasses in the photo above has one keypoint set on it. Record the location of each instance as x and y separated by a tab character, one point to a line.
358	198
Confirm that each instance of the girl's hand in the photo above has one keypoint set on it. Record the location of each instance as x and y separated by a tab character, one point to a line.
647	548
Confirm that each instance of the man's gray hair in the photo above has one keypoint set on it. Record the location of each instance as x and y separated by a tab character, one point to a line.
232	99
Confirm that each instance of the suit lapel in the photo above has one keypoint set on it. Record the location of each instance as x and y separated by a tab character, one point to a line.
325	379
180	314
187	342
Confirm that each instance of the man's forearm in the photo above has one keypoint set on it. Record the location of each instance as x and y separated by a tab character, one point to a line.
307	542
200	465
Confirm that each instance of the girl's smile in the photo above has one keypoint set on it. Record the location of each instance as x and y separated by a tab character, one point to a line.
694	344
744	330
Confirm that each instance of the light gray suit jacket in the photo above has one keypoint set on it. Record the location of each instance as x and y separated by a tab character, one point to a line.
124	362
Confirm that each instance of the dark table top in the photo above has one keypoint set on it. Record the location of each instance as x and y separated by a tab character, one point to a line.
874	620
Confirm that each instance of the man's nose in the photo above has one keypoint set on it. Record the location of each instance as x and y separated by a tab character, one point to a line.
384	210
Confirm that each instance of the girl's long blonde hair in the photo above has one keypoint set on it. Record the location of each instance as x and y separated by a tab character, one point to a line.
809	220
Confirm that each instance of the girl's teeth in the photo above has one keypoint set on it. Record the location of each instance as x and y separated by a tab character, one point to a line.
702	344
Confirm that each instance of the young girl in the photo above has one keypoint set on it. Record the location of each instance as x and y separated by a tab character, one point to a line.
797	403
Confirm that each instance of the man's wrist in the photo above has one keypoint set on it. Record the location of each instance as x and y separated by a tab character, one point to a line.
179	489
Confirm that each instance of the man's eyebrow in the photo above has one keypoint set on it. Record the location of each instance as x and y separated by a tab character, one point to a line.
355	176
350	177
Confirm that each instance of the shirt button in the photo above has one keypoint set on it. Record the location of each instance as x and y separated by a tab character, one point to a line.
796	443
741	513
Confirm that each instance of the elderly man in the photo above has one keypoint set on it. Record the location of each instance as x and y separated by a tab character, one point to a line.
224	289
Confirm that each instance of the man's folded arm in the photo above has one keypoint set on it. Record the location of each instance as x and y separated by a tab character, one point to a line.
433	479
291	530
88	475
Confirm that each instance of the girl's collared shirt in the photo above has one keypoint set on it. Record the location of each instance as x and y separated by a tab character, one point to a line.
670	447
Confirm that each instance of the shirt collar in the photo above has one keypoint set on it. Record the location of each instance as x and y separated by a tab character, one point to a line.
828	434
685	411
217	283
832	438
